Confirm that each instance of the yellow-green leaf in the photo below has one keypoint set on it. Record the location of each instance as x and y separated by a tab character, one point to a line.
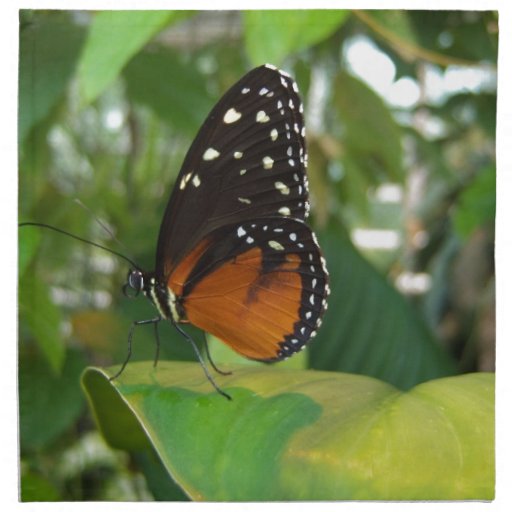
303	435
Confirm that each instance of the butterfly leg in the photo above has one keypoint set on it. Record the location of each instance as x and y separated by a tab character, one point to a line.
157	339
130	336
201	362
209	356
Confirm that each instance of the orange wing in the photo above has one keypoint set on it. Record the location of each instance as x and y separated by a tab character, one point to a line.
265	300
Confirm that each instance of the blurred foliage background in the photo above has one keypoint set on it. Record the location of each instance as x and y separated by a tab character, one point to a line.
400	109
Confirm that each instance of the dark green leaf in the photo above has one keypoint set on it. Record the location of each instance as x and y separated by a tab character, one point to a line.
477	204
37	488
458	34
161	486
172	88
28	243
369	327
371	138
304	435
49	49
49	404
43	319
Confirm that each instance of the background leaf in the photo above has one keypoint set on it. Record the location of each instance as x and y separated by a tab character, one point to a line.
371	135
183	101
49	48
43	318
478	203
270	36
43	418
114	38
369	328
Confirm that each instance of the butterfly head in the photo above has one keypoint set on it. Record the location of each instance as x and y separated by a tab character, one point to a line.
135	281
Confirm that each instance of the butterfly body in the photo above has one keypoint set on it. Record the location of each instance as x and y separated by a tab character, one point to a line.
234	254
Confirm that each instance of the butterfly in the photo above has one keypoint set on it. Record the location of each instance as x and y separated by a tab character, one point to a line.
234	256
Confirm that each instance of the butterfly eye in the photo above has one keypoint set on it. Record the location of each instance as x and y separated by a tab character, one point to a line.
134	284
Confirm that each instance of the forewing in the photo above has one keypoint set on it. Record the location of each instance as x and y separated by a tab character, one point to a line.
247	161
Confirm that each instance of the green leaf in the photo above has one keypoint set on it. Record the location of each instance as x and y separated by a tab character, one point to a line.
270	36
182	100
43	319
372	138
395	21
49	51
477	204
28	243
303	435
369	327
35	487
114	38
48	403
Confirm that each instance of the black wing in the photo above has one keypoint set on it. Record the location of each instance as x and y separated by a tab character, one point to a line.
247	161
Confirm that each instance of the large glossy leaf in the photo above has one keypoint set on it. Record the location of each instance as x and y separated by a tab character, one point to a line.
270	36
303	435
114	38
369	327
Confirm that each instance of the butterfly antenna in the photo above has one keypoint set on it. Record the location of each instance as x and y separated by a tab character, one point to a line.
80	239
100	223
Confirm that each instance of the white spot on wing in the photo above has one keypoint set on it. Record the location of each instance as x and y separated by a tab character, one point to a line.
238	154
196	181
284	210
275	245
282	188
231	116
273	134
244	200
241	232
185	180
267	162
261	117
210	154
